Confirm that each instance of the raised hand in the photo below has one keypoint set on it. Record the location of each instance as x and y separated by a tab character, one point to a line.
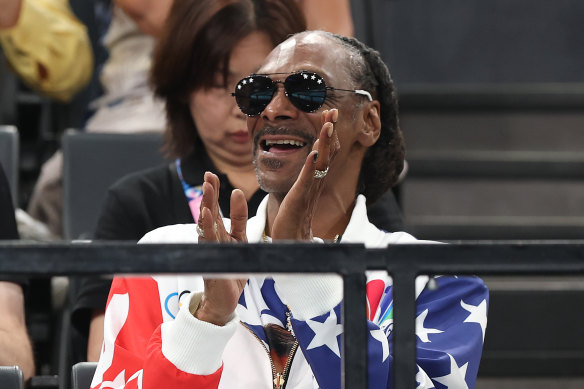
294	219
221	294
210	226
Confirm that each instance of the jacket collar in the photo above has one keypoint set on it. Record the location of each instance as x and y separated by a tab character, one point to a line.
359	229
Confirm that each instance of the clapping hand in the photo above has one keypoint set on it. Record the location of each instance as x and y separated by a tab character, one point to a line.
221	294
294	219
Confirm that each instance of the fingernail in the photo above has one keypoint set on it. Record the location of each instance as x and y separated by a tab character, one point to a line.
330	129
335	115
315	157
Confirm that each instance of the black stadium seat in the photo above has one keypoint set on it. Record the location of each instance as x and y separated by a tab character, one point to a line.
82	374
92	163
11	377
9	158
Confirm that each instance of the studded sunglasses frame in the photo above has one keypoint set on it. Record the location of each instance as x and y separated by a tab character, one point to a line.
306	90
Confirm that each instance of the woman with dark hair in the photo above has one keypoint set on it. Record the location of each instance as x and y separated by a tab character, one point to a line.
222	43
206	47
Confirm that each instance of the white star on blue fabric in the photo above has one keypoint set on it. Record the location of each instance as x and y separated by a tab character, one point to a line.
305	76
478	314
250	80
325	334
239	86
454	380
319	81
379	335
249	313
424	382
312	77
423	332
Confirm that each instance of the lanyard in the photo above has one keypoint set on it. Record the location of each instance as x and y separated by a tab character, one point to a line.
194	194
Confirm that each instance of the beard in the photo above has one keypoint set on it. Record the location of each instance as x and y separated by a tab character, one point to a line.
270	177
273	174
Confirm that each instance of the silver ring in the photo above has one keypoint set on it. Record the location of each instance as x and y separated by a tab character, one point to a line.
200	231
320	173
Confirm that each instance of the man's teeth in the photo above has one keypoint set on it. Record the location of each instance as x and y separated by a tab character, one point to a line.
285	142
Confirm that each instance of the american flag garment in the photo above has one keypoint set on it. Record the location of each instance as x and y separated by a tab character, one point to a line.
148	345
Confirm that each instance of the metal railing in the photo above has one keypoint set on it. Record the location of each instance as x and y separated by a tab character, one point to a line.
403	262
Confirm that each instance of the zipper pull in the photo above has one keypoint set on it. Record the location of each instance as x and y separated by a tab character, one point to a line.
279	381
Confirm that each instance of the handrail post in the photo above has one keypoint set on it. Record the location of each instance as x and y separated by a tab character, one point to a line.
404	328
355	331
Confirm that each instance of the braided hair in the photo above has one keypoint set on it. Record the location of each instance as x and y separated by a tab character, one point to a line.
383	161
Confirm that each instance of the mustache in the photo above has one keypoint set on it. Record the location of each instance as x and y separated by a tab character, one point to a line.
309	139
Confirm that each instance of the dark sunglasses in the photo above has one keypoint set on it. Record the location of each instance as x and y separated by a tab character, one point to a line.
306	91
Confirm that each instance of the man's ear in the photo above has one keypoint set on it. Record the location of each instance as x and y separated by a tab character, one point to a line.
372	124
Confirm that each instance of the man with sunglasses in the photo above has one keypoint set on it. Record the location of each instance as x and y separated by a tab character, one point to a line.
323	115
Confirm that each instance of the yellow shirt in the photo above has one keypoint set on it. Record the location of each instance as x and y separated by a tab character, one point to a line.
49	48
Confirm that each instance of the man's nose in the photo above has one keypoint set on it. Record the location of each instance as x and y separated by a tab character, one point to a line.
280	107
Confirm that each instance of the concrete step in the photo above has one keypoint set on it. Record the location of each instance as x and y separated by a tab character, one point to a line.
464	131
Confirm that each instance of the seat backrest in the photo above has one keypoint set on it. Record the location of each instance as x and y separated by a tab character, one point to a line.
11	377
82	374
9	158
92	162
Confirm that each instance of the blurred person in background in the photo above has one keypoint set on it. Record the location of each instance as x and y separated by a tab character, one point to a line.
50	50
15	346
328	15
127	103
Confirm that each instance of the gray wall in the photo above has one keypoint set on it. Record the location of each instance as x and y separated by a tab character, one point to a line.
472	41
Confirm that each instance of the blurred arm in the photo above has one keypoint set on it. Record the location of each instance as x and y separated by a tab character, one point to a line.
15	347
95	335
149	15
328	15
10	11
